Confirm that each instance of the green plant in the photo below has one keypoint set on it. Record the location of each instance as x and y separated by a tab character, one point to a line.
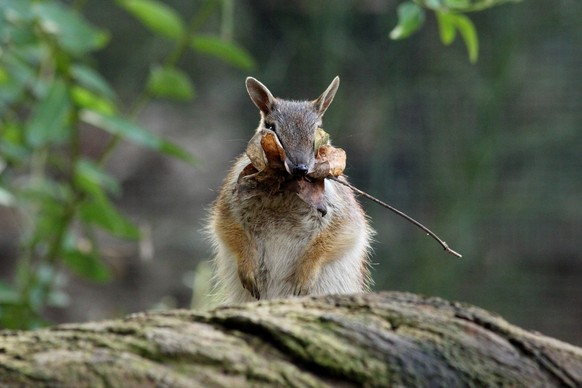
49	95
450	15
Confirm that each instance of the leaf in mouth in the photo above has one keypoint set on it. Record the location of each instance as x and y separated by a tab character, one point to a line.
266	174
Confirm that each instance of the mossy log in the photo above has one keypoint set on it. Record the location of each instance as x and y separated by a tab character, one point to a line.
386	339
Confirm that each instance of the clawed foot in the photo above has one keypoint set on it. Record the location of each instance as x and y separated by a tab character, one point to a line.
300	290
249	282
301	284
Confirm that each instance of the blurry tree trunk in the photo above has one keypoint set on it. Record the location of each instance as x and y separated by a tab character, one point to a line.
386	339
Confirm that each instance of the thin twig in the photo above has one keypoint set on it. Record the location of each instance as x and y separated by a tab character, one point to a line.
421	226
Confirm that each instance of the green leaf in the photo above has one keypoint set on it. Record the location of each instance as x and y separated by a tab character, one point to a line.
12	146
471	5
449	23
49	198
157	16
434	4
98	210
4	78
121	127
410	18
227	51
6	198
43	189
72	31
174	150
93	179
171	83
87	265
469	33
130	131
457	4
446	27
8	294
93	81
16	10
58	298
19	75
48	122
84	98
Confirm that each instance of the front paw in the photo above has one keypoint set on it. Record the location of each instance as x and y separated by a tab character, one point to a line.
301	285
249	282
300	289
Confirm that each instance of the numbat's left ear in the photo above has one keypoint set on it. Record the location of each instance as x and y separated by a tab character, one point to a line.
322	102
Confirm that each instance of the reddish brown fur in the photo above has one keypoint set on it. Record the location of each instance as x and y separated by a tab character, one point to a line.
276	245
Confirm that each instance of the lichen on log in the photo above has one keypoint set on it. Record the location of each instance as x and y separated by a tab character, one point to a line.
386	339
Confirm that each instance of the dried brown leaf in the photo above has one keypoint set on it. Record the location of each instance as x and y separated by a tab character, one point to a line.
273	150
329	161
264	150
255	152
267	175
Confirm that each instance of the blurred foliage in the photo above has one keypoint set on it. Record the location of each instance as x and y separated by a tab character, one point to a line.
50	94
449	14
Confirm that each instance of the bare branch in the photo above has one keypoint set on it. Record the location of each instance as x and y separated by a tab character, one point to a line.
401	214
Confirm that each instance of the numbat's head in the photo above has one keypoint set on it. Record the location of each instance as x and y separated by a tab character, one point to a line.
294	122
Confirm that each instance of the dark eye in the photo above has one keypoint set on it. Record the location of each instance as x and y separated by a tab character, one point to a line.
270	126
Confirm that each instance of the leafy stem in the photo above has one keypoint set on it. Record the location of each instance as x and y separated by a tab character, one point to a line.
171	60
450	17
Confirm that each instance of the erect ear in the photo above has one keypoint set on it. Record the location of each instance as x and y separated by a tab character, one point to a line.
322	102
260	95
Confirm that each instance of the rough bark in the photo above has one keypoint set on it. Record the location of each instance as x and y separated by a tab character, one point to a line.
387	339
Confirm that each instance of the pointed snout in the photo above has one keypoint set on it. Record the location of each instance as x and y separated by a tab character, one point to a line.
299	170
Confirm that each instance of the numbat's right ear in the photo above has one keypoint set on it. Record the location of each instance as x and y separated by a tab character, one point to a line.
322	102
260	95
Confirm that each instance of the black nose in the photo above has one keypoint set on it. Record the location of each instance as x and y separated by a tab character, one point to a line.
300	170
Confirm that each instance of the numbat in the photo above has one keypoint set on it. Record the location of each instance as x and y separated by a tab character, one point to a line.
278	226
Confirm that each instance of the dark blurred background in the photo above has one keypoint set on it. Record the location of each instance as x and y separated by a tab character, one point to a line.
488	155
